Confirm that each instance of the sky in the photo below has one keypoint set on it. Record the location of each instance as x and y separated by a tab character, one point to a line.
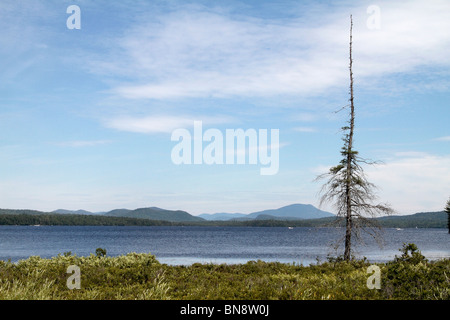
91	99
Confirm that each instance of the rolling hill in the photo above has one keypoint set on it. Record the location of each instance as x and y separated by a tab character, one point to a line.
154	213
420	219
222	216
64	211
285	216
290	212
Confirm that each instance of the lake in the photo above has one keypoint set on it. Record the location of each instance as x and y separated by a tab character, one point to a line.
189	244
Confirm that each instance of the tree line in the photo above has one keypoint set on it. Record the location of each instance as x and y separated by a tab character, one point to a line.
425	220
76	220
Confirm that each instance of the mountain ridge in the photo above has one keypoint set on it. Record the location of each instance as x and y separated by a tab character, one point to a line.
154	213
436	219
289	212
79	211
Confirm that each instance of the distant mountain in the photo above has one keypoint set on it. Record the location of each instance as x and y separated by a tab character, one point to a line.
154	213
118	213
222	216
64	211
21	211
270	217
290	212
297	211
158	216
422	219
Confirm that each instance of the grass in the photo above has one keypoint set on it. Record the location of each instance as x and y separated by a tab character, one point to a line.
140	276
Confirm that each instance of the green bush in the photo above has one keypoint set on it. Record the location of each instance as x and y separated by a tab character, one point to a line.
410	254
411	276
141	276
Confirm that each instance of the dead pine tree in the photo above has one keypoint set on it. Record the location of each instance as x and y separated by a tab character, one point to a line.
347	187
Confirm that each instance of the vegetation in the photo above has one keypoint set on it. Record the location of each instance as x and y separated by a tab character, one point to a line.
75	220
154	214
411	276
10	217
347	186
419	220
140	276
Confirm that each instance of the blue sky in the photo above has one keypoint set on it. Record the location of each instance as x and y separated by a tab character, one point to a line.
86	115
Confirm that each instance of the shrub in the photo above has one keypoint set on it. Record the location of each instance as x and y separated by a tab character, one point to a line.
410	254
411	276
99	252
141	276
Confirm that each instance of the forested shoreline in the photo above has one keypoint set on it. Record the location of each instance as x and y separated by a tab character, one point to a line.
428	220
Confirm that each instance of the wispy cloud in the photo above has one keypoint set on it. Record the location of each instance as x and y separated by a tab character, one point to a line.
82	143
409	181
305	129
159	124
186	58
446	138
413	181
199	52
306	117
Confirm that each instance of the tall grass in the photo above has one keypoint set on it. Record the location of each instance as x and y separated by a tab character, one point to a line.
142	277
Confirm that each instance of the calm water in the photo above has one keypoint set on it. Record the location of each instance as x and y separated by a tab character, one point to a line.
186	245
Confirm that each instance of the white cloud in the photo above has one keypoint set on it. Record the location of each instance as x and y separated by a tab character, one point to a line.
446	138
410	154
207	54
83	143
410	182
412	34
148	124
159	124
306	117
202	53
413	182
305	129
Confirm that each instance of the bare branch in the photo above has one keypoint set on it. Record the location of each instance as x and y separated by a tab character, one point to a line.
347	187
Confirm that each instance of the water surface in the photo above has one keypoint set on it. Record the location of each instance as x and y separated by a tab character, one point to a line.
187	245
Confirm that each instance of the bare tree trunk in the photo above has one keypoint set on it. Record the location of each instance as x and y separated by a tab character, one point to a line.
347	185
348	195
